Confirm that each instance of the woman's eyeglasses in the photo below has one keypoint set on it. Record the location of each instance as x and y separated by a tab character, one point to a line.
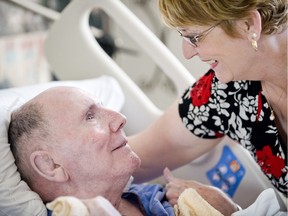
194	40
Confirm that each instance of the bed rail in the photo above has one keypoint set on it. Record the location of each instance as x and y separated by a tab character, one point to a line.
73	53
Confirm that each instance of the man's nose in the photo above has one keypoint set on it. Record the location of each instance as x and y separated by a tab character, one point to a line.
188	50
116	121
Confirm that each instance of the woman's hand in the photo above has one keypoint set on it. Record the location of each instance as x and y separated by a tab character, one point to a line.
214	196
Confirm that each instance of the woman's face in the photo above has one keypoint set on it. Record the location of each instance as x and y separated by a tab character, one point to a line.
230	58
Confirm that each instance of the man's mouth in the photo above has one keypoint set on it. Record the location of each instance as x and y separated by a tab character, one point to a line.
124	144
120	146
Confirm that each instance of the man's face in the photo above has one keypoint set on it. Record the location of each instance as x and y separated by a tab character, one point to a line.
89	141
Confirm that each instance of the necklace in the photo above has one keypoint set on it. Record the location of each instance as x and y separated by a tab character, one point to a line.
272	115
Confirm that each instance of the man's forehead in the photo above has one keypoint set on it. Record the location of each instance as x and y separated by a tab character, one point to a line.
67	98
61	93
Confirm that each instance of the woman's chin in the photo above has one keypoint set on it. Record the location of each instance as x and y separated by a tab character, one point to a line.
222	77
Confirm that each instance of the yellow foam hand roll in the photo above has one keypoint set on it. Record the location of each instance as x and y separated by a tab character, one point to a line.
68	206
190	203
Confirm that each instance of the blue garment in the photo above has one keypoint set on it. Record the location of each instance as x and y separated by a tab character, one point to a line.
49	213
149	197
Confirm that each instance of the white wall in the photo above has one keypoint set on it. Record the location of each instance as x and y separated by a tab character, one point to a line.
23	60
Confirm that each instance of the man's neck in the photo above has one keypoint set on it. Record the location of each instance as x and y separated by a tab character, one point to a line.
115	192
129	209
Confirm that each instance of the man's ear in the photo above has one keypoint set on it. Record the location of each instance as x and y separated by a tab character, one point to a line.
254	25
44	165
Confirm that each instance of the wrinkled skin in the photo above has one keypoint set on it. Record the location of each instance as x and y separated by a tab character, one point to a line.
214	196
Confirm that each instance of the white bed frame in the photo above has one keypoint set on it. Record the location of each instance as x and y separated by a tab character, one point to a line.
73	53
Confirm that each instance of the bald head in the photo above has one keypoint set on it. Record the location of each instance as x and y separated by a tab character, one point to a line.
27	130
66	143
29	126
30	129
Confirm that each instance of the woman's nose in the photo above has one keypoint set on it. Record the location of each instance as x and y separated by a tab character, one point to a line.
117	121
188	50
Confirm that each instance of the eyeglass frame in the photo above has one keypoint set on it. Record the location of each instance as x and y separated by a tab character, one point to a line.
194	40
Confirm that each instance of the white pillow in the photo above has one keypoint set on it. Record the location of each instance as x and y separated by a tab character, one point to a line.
16	198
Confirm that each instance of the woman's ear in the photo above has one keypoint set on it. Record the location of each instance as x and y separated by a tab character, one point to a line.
44	165
254	25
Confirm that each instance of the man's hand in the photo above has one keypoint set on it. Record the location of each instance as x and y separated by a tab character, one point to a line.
214	196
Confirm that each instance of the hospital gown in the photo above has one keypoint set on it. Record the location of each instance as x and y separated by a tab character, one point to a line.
150	198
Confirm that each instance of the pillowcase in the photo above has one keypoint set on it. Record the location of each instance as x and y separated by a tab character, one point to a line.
16	198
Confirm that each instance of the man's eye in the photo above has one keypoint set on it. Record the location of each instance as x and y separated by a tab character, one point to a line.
90	116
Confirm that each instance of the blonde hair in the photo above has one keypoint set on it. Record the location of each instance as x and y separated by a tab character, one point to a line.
182	13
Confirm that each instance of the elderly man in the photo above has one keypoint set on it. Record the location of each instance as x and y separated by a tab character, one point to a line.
66	143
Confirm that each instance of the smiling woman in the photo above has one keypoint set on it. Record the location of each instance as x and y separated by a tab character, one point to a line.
245	43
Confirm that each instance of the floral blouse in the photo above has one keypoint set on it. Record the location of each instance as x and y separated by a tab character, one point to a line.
211	109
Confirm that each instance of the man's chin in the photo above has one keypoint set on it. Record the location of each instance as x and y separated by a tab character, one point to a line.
137	160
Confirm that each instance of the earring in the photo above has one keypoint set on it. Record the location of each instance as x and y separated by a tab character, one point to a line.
254	42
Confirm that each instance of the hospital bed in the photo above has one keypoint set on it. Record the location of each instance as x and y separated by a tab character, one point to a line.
74	54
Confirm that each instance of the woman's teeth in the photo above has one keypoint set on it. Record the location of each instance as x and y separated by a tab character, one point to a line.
213	63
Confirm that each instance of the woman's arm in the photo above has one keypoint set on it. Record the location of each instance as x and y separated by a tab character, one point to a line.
167	143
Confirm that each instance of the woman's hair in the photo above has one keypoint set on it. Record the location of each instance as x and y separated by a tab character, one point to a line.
176	13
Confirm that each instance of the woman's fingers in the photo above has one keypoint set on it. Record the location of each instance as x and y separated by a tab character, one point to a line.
173	187
168	175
